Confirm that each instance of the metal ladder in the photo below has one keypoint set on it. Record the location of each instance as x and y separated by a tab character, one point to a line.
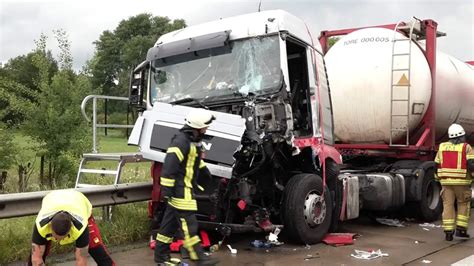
399	121
121	158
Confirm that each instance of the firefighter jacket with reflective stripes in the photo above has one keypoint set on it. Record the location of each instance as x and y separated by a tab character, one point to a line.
452	160
70	201
182	166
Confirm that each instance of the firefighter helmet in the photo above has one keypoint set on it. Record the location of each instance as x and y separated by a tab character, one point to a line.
456	130
199	118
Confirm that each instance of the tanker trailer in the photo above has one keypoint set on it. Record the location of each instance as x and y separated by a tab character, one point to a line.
362	99
393	99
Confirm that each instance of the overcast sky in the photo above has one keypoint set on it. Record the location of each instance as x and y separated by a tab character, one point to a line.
21	22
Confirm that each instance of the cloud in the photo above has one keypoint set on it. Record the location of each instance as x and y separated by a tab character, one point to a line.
21	22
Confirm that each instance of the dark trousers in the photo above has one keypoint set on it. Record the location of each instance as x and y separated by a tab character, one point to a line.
173	220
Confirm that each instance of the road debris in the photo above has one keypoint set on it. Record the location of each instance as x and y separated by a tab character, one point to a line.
426	261
430	225
232	250
311	257
272	238
390	222
339	239
368	255
307	246
426	229
260	244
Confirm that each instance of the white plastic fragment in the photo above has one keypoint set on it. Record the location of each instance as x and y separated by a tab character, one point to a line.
390	222
426	261
426	229
430	225
232	250
307	246
272	238
365	255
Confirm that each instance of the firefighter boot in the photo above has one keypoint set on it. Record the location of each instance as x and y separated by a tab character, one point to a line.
449	235
462	233
170	262
204	259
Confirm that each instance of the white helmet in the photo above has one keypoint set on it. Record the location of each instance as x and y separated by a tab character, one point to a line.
199	118
455	131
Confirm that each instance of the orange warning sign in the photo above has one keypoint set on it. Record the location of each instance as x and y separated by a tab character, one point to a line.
403	81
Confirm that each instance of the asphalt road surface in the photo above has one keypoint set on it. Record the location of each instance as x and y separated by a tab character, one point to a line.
409	245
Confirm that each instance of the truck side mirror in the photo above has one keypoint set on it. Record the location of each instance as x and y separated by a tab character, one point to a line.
138	85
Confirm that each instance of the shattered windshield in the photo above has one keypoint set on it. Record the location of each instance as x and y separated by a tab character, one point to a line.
249	66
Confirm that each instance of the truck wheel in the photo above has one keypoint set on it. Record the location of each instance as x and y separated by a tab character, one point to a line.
307	213
430	207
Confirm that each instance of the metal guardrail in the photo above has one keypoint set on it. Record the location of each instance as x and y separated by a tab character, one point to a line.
94	116
23	204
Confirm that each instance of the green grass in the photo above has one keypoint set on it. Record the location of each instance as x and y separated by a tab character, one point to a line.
15	240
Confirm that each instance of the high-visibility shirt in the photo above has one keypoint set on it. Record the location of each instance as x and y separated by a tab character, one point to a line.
70	201
452	159
181	168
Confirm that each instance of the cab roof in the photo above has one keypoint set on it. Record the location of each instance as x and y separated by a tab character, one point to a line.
245	26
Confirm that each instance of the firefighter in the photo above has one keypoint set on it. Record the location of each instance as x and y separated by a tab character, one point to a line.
182	166
66	217
455	163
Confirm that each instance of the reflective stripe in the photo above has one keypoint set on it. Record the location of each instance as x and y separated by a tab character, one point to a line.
200	188
187	193
164	239
202	164
187	238
190	166
453	181
453	175
452	170
183	204
191	242
470	156
448	224
167	182
462	224
448	227
176	151
462	218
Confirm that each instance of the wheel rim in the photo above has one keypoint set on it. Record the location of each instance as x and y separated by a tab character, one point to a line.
314	209
432	194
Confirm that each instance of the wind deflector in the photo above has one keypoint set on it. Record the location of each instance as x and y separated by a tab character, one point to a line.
207	41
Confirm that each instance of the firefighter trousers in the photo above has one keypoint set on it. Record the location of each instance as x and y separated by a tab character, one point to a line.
462	195
173	220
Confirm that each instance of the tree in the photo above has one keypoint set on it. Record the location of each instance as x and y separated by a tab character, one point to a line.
22	70
55	122
332	41
117	51
14	102
7	149
19	86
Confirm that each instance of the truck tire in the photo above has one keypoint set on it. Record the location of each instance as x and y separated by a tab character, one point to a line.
306	215
430	207
335	186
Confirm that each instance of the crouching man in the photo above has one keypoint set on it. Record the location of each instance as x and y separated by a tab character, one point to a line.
66	217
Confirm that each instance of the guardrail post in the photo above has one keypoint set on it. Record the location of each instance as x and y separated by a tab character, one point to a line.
94	125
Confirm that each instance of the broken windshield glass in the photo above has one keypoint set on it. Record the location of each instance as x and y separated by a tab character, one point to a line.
249	66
